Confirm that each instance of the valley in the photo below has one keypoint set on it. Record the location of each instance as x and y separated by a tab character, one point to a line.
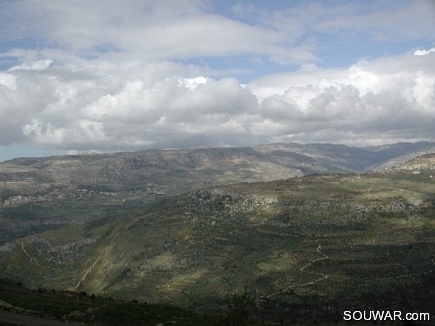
309	239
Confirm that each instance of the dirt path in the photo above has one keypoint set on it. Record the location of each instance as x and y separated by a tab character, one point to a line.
89	270
27	254
302	269
324	276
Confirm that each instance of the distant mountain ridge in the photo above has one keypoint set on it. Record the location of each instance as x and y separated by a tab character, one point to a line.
176	170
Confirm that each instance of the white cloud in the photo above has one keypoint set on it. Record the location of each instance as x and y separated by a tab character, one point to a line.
7	80
399	21
113	76
78	108
33	65
390	97
192	83
147	30
423	51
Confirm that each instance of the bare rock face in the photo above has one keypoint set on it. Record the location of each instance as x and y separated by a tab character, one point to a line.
418	164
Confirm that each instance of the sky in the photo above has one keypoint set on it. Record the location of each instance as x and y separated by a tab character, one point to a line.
109	75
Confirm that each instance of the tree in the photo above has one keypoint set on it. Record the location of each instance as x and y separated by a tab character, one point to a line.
239	311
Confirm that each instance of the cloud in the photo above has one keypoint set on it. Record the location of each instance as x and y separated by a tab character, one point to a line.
78	108
423	51
33	65
382	21
146	30
107	75
186	29
390	97
141	105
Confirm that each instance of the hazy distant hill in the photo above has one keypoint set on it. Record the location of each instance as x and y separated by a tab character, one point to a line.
178	170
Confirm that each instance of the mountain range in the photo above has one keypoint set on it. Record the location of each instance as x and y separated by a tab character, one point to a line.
312	230
177	170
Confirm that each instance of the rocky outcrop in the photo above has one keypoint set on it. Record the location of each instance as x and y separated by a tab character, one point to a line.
228	203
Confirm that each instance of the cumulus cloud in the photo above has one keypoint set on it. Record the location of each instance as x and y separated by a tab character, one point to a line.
390	98
146	106
113	77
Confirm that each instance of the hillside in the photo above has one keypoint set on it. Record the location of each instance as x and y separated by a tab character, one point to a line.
418	164
42	194
309	247
42	307
157	172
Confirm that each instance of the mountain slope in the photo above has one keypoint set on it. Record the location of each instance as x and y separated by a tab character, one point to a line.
324	239
300	243
172	171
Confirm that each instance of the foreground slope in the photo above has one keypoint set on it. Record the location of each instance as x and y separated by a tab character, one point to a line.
42	307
